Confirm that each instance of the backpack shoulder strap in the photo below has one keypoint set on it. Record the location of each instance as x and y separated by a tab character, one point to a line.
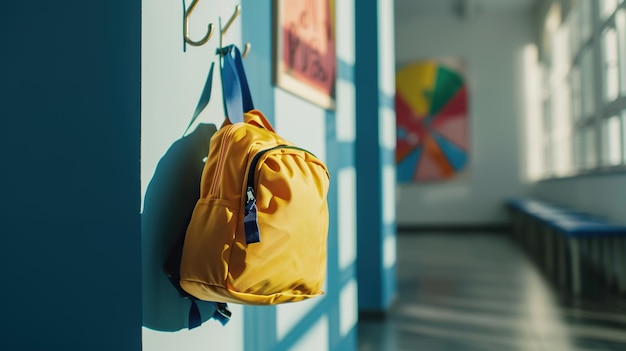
236	91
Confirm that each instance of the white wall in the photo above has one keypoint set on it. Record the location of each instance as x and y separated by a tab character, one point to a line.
492	45
172	82
603	195
171	79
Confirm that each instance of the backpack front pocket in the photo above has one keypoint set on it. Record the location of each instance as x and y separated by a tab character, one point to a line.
210	235
288	186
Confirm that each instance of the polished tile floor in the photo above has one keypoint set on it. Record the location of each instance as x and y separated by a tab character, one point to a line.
480	292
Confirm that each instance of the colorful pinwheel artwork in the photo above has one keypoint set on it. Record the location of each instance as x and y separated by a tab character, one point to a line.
432	121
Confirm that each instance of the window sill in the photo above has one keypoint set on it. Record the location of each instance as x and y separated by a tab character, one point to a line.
596	172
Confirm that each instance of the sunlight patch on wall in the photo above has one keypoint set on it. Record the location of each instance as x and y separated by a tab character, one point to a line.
288	315
348	307
345	114
346	217
386	52
389	194
316	339
389	251
345	31
387	127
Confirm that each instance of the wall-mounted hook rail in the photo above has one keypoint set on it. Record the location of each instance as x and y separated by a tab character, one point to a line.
186	27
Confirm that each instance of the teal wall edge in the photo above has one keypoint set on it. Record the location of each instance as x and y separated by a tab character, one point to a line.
71	253
376	284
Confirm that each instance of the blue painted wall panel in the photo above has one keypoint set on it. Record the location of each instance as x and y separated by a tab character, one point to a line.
69	215
376	284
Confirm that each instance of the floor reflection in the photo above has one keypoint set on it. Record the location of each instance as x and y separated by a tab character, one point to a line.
480	292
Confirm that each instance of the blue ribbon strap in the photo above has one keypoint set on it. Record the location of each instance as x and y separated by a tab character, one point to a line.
236	91
194	315
222	313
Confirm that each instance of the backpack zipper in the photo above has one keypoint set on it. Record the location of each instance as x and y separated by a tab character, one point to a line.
220	165
250	218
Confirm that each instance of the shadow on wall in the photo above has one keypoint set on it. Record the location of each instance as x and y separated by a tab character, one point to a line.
168	204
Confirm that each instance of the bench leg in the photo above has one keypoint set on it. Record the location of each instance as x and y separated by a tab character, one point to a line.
528	241
536	249
575	266
528	234
517	225
596	246
590	256
561	260
620	260
548	252
608	267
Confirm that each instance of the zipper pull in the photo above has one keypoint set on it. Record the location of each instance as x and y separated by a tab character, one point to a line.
250	219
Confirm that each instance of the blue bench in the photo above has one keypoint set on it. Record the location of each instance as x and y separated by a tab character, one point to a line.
562	240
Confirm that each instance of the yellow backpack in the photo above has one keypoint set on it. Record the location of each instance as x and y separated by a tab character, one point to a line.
258	233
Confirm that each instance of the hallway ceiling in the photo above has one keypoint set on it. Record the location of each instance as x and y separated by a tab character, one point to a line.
409	9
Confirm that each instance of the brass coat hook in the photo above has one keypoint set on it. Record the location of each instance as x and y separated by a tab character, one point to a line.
232	19
186	27
246	49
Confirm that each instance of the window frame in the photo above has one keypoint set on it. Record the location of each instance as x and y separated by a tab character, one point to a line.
588	115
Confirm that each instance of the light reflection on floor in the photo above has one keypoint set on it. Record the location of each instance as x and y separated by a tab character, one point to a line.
480	292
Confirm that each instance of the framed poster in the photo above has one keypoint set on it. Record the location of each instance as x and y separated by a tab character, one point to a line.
305	62
432	119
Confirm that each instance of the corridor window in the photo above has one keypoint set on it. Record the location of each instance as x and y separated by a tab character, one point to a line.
585	88
579	150
548	157
611	66
624	136
587	76
607	7
612	141
559	57
575	94
586	19
561	130
620	26
589	145
575	32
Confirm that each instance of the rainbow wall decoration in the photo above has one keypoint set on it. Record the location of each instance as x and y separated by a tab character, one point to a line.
432	121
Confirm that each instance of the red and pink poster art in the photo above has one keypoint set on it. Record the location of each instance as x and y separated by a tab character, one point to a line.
305	58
